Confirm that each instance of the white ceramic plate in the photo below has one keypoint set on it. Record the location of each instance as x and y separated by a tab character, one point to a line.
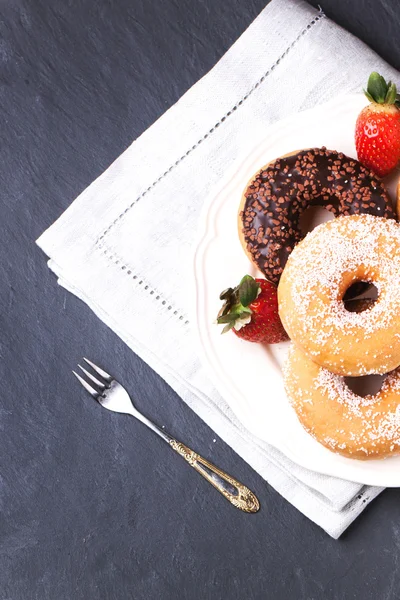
249	375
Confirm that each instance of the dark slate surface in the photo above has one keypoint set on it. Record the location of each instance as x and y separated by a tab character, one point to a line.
376	22
92	505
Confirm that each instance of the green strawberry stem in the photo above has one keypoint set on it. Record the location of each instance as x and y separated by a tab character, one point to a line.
237	302
380	91
248	290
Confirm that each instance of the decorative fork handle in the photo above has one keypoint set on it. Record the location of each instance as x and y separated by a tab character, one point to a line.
112	395
234	491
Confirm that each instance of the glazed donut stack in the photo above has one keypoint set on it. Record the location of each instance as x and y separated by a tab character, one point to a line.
330	342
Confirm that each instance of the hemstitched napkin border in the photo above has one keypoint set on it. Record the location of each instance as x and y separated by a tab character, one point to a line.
114	258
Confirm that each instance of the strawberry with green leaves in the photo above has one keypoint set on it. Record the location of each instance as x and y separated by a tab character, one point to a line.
251	311
378	126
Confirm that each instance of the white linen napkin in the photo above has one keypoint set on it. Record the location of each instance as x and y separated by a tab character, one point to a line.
124	245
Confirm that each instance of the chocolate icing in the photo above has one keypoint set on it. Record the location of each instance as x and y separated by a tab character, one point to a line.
279	194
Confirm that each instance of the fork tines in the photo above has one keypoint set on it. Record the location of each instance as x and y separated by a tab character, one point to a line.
102	382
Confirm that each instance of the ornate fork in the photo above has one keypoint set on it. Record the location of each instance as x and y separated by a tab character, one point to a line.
113	396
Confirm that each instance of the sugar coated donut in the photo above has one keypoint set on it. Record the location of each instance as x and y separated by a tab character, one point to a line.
338	418
320	270
275	199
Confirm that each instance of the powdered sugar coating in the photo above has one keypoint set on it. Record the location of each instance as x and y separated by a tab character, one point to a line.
361	427
316	277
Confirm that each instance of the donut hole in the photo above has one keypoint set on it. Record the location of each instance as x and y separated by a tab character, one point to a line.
360	296
369	385
313	216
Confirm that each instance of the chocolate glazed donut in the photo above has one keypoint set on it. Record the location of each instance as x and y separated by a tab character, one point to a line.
273	202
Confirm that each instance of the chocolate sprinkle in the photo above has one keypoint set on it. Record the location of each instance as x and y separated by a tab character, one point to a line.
279	194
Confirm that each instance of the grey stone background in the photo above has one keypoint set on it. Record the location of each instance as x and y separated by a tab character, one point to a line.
92	505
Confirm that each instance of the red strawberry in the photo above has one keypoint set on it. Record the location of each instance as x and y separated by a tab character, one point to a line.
251	311
378	127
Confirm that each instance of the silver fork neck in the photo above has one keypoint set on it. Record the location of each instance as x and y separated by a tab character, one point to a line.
163	434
